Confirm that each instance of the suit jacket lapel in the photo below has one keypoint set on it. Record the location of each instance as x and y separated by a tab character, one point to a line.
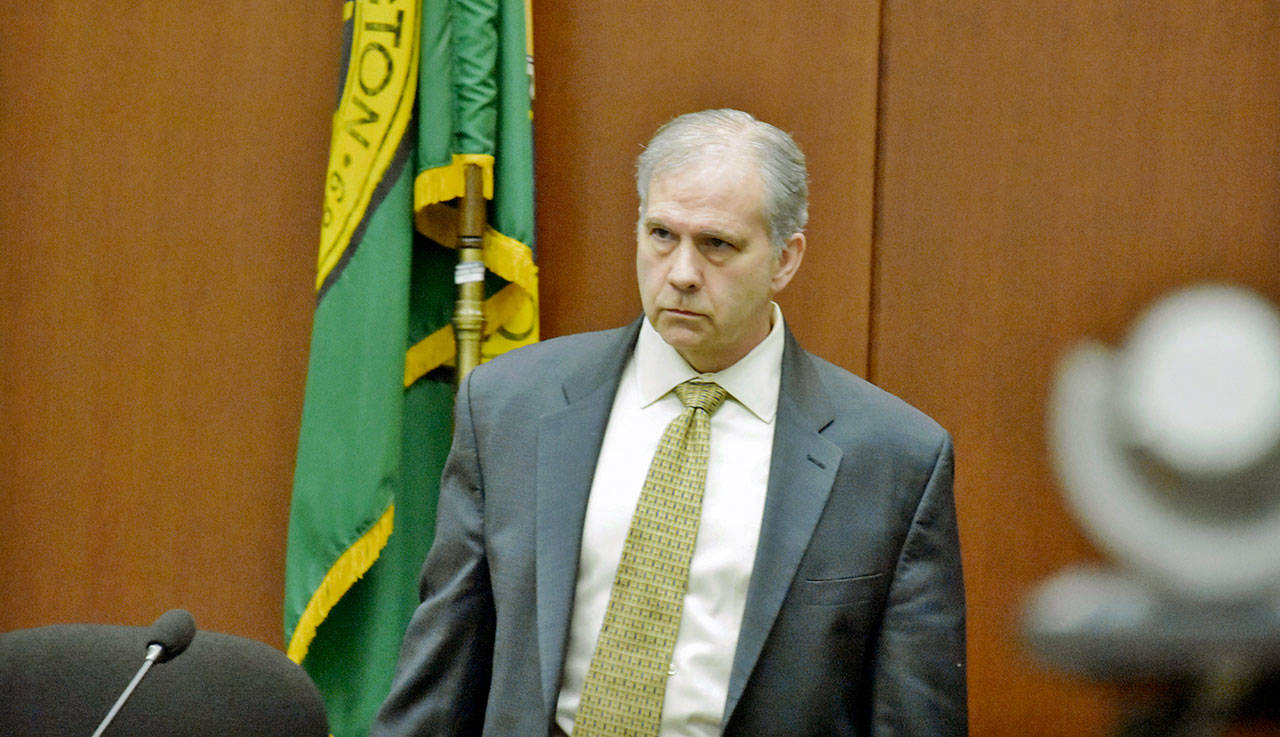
569	439
801	473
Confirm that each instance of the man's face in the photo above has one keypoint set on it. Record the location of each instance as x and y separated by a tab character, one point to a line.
706	267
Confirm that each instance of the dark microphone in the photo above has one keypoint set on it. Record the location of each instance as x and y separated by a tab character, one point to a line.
170	635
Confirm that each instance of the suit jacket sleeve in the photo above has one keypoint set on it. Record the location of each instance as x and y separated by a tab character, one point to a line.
918	682
442	678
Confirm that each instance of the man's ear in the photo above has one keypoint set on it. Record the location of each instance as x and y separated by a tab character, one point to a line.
788	261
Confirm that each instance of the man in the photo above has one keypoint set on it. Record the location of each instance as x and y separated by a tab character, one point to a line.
817	587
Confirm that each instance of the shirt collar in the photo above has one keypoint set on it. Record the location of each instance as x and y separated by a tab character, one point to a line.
752	381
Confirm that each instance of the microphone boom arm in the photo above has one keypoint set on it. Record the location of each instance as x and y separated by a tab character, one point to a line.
154	651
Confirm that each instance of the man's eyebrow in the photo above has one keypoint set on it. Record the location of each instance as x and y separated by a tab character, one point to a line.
650	220
723	234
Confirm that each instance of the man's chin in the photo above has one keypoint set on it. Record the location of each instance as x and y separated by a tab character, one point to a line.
680	338
689	343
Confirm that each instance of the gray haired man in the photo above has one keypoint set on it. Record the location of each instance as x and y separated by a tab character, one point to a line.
615	558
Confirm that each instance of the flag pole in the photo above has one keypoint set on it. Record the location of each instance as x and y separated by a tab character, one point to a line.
468	311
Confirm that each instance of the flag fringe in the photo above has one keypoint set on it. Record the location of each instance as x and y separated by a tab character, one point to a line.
444	183
511	260
345	571
437	349
505	256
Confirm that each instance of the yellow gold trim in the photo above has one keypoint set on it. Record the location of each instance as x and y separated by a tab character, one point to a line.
515	322
503	255
444	183
426	355
437	349
511	260
346	570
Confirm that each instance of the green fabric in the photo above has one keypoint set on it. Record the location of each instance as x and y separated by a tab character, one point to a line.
348	463
366	441
354	653
480	105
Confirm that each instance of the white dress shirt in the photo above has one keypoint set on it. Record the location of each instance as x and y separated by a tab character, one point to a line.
732	508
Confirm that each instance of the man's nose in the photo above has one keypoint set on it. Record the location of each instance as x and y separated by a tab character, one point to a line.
685	270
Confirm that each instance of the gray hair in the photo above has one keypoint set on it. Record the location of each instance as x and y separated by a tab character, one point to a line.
712	134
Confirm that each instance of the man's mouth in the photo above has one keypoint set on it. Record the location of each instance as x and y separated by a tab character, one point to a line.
682	313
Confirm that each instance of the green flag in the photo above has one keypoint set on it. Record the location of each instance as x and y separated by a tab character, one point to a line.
428	88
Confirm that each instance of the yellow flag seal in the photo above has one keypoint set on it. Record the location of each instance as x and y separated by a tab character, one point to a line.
372	115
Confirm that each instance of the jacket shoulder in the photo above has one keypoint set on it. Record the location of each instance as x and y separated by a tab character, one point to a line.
856	402
549	363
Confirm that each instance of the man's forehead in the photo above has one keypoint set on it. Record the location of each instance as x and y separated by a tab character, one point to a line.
717	208
734	168
708	183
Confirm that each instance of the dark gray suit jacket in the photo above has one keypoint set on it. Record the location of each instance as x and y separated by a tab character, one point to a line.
854	621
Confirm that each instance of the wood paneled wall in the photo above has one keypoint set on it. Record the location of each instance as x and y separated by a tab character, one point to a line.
160	176
990	185
1046	171
609	74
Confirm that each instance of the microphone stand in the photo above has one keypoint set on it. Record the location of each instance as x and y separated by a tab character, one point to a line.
154	650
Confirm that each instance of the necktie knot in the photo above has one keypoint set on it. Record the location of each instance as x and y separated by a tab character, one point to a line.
704	395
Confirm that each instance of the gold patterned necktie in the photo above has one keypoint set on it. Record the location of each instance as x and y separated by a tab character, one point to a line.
626	681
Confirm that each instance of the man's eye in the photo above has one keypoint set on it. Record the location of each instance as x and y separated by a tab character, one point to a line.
719	244
660	233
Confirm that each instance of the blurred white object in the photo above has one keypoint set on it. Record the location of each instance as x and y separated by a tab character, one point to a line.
1169	448
1198	383
1113	625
